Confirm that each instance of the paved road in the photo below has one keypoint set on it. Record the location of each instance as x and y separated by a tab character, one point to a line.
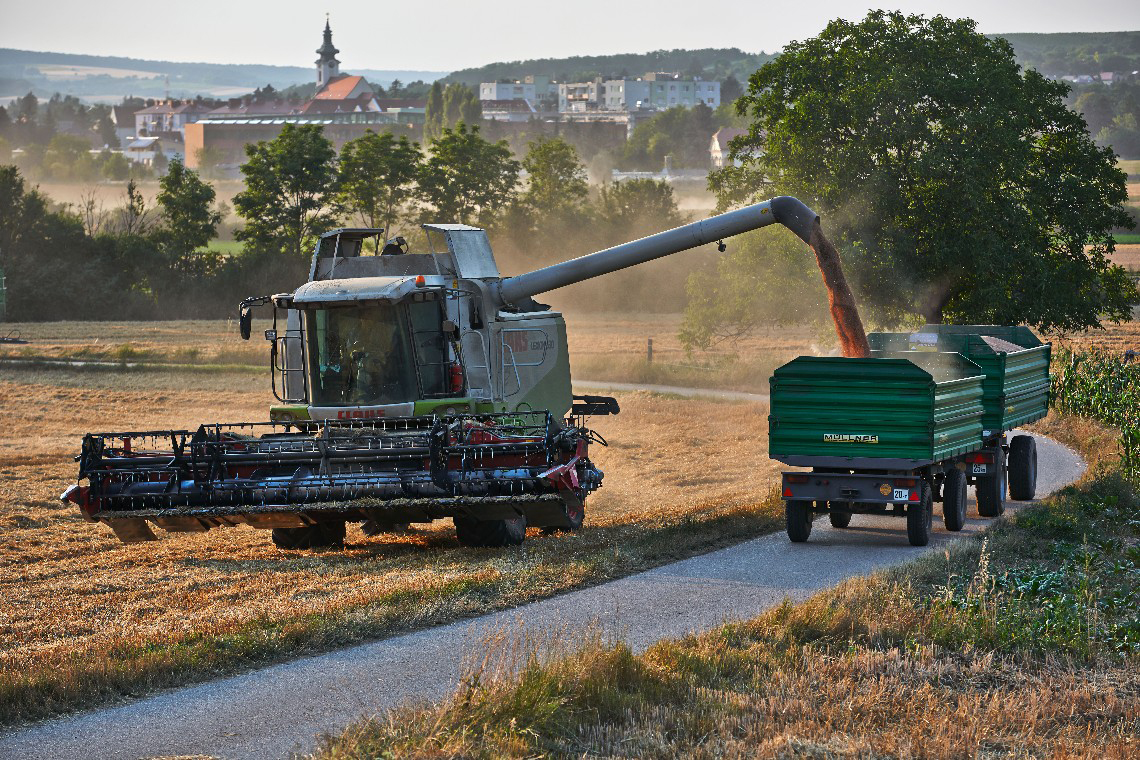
270	712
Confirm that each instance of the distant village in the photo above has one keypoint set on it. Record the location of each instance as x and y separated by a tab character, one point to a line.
347	105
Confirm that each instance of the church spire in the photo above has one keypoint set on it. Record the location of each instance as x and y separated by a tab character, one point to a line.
328	67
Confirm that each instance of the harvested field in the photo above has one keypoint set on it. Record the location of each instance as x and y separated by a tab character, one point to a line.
1127	255
88	619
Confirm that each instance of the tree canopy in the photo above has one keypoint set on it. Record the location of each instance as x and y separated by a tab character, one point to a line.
189	221
377	177
468	179
289	195
959	187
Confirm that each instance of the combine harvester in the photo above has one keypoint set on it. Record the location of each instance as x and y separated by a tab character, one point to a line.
413	387
913	423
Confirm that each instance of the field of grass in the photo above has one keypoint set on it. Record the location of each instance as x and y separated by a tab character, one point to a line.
1020	642
87	620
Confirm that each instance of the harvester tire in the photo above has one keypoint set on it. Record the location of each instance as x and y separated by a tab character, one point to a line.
490	533
798	517
991	489
954	499
838	517
1022	468
319	536
920	518
380	527
575	515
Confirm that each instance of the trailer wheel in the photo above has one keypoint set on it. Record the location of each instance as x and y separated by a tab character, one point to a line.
798	517
919	518
991	489
1022	468
319	536
954	499
490	533
839	518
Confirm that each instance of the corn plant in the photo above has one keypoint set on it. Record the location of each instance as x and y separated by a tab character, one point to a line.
1106	387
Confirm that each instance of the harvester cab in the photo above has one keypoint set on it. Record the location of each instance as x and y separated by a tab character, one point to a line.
411	387
378	332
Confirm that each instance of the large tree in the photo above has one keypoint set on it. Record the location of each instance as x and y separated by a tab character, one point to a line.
378	177
189	220
959	187
468	179
556	177
289	196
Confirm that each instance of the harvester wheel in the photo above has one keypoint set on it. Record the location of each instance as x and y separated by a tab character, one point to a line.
472	532
839	518
798	516
991	489
954	499
380	527
319	536
920	517
1022	468
575	514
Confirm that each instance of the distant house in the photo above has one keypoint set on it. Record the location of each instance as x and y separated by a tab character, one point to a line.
168	116
345	88
123	117
143	150
268	107
719	147
365	102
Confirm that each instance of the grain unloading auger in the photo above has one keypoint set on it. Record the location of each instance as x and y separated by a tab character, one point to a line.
413	387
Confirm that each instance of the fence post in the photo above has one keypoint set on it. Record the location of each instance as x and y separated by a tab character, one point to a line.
649	351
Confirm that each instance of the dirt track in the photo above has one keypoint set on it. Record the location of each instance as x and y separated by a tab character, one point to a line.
269	712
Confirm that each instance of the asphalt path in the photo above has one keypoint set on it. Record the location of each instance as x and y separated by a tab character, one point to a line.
274	711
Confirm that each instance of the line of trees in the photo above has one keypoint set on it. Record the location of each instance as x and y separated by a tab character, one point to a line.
143	261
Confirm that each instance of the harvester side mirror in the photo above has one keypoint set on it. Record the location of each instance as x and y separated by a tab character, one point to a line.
245	322
450	329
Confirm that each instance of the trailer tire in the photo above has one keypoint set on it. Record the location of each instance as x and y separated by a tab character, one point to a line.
1022	468
990	490
839	518
954	499
490	533
920	518
797	515
323	535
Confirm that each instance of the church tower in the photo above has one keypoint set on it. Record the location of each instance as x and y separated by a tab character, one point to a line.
328	67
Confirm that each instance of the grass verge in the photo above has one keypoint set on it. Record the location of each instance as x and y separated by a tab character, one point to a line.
500	579
1019	642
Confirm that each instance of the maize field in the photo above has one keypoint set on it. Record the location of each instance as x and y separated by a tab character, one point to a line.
1104	386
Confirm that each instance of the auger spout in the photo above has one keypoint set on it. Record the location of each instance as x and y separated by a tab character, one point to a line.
785	210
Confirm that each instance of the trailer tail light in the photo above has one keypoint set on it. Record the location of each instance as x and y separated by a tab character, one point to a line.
904	483
980	457
796	478
787	493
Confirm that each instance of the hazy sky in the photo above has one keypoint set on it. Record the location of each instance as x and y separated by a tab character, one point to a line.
445	35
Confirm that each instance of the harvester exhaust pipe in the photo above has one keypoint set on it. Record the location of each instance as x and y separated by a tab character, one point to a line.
785	210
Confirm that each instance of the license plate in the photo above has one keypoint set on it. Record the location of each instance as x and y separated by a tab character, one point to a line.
979	469
901	494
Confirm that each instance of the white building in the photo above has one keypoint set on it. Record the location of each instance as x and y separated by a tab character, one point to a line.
654	91
507	91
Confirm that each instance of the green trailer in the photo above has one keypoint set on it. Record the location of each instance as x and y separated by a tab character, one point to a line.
917	422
